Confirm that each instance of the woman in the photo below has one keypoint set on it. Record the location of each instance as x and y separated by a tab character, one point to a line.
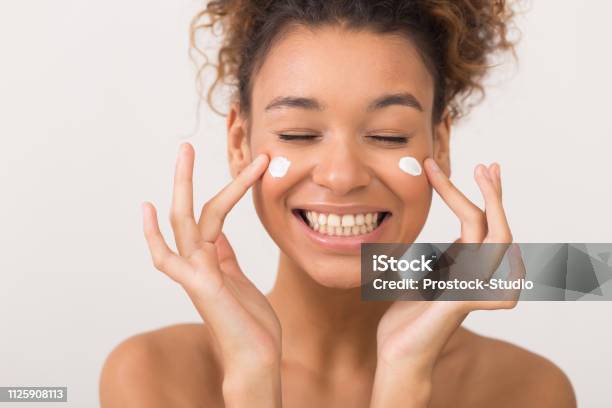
337	93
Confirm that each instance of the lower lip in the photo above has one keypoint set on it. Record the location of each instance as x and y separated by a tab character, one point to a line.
350	244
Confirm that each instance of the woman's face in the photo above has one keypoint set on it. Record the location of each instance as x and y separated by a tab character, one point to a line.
343	107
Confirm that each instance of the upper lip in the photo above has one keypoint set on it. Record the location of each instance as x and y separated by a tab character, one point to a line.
340	208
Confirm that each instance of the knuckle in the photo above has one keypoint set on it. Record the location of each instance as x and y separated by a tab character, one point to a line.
159	262
207	208
212	211
197	257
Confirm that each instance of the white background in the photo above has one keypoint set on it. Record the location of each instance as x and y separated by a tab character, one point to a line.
95	97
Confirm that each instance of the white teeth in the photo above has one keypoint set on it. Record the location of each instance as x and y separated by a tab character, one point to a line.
333	220
342	225
348	220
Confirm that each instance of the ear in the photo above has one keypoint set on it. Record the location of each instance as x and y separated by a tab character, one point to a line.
441	145
238	149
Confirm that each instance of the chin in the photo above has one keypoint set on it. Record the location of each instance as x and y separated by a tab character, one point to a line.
335	274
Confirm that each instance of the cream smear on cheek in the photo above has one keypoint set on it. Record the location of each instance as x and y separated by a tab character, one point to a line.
410	165
279	166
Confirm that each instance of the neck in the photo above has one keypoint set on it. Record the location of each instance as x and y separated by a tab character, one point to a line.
324	329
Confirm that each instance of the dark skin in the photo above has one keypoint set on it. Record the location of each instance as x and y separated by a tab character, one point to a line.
175	366
312	341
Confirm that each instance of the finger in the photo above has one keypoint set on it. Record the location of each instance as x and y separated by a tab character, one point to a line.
164	259
498	232
494	175
517	271
214	212
227	257
186	234
505	298
473	225
498	229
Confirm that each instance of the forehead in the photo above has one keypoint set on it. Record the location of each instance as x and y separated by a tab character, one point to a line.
340	66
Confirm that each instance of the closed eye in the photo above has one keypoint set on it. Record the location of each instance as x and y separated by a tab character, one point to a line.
390	139
284	136
378	138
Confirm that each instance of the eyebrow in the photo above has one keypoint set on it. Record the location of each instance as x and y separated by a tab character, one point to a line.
402	99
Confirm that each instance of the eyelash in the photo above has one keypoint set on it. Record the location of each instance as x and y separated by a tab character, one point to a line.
385	139
296	137
391	139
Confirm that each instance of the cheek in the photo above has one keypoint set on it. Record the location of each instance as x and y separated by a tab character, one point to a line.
414	194
410	166
281	170
279	166
414	191
285	171
403	174
409	184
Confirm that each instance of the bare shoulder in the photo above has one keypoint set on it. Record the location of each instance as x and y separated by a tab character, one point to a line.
172	366
518	377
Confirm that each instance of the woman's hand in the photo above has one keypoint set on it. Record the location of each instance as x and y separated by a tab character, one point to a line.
411	335
245	329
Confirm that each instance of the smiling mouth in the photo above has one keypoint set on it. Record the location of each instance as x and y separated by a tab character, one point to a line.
342	224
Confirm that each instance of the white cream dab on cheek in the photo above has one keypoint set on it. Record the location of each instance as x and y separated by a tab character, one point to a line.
278	166
410	165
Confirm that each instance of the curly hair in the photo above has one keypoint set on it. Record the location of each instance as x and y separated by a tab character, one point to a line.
456	38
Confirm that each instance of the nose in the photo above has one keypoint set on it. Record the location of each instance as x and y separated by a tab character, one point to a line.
341	169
